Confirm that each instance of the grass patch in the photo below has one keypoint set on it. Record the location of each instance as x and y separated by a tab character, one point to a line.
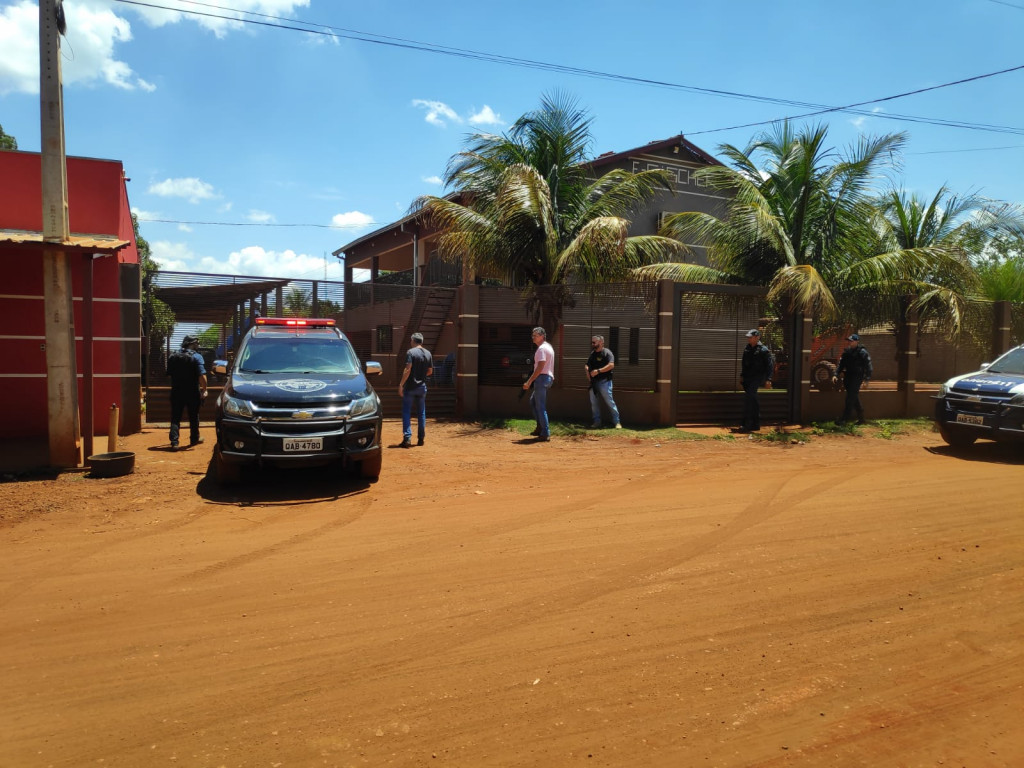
574	429
780	435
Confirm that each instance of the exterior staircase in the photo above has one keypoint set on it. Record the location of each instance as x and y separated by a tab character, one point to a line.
429	313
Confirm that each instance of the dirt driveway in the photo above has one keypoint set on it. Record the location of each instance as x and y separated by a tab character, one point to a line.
589	601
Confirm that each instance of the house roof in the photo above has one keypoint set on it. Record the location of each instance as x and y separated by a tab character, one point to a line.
695	153
210	303
687	149
93	243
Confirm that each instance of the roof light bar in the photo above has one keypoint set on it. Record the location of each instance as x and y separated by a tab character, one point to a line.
318	322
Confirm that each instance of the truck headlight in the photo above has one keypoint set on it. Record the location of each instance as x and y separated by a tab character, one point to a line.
236	407
943	389
1017	399
363	406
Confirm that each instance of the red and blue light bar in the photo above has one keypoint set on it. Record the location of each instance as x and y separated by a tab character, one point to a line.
294	322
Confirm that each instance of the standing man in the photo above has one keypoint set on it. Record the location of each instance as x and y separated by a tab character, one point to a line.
756	371
413	389
855	368
599	370
540	380
188	389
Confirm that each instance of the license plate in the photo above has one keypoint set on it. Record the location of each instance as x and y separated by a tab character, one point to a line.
303	444
970	418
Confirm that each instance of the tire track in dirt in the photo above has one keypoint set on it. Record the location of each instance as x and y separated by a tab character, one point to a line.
351	516
421	652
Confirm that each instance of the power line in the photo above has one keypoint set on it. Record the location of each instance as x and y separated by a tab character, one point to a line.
972	149
1010	5
256	224
818	109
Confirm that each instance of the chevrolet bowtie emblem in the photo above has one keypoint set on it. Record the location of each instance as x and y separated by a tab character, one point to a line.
302	415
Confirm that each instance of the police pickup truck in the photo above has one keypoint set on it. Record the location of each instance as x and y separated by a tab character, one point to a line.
295	396
988	403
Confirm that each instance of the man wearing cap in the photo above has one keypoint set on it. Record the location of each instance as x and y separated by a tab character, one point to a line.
419	365
756	371
188	389
855	368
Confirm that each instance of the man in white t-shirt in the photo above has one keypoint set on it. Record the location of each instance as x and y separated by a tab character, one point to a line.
543	375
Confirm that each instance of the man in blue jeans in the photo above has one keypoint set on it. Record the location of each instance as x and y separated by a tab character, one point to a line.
599	370
413	389
540	380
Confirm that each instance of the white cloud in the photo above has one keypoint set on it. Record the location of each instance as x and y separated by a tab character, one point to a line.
191	188
436	180
260	217
95	29
184	228
174	257
255	260
88	53
142	215
486	116
437	112
351	220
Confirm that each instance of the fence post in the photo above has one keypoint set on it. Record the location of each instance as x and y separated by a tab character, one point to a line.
906	350
1002	328
666	361
800	372
467	359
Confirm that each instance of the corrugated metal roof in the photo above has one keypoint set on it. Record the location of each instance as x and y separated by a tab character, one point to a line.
101	243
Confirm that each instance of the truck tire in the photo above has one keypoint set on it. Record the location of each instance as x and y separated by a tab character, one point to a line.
956	439
227	474
369	468
822	374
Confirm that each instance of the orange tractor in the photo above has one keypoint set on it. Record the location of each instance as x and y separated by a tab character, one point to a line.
825	352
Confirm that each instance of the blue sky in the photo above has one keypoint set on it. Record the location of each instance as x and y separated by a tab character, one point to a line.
326	138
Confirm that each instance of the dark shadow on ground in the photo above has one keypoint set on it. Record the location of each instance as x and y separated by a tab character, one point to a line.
268	486
985	451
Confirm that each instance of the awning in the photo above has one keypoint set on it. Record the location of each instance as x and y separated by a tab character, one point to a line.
87	243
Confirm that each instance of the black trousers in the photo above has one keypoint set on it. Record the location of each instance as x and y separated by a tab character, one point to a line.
751	407
179	402
852	404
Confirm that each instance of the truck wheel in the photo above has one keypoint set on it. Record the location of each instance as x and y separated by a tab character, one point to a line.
369	468
956	439
822	374
227	474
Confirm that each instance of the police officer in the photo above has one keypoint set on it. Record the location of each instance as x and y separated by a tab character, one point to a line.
188	388
756	371
855	368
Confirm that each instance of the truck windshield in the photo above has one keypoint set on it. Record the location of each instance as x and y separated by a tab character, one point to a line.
295	354
1012	362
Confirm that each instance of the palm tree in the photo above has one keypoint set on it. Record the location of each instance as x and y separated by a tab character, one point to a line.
799	221
527	213
943	236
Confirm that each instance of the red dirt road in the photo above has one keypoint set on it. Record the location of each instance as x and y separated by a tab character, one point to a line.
590	601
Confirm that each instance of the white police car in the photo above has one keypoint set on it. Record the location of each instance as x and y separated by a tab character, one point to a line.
297	396
988	403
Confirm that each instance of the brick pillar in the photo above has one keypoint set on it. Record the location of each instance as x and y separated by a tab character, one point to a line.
906	349
666	361
1002	328
467	360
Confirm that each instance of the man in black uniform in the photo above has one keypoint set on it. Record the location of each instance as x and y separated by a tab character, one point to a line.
413	390
188	388
855	368
756	371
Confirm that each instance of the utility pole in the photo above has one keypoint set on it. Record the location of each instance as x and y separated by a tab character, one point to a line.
61	367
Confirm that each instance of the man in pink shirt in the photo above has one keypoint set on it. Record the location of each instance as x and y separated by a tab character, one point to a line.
543	375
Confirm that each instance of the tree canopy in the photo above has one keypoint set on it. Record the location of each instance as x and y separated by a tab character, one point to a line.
527	212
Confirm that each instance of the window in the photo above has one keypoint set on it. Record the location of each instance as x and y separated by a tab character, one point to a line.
385	338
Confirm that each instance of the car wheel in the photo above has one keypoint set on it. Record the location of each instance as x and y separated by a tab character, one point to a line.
227	474
956	439
369	468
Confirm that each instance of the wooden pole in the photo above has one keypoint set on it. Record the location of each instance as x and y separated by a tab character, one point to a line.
61	368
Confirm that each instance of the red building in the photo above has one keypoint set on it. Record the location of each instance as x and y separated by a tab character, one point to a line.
102	240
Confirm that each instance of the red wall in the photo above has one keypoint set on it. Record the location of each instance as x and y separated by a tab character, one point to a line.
98	205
